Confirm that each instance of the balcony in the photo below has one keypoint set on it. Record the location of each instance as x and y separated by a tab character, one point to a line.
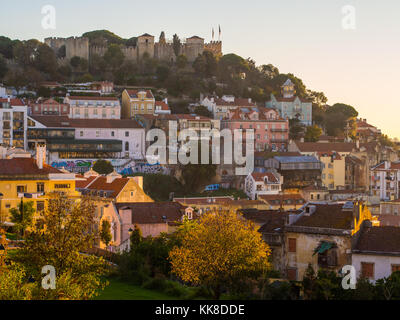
279	140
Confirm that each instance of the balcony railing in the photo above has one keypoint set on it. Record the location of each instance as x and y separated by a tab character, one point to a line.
279	130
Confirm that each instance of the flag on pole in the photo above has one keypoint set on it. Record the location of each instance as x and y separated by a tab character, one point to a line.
213	33
219	26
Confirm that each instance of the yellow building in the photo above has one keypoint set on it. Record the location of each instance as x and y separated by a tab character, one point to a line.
334	170
137	102
31	179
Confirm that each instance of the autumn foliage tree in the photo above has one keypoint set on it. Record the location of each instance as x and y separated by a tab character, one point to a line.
221	249
60	238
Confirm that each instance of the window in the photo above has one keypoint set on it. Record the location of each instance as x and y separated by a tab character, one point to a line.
40	187
395	267
126	133
367	270
127	146
292	274
81	133
21	189
97	134
112	134
292	245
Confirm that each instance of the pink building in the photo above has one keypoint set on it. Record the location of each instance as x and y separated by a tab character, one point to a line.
49	107
271	132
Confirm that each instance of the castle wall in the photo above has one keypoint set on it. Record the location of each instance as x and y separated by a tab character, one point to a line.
164	51
79	46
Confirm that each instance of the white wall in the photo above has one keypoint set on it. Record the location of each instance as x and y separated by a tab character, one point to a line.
382	267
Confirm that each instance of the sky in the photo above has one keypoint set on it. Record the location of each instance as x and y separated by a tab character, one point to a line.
351	56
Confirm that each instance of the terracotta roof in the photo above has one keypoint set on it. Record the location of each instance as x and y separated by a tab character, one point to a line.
13	102
100	184
65	122
325	147
327	216
162	104
154	212
81	184
379	239
392	166
329	154
133	93
175	116
238	102
259	177
93	98
205	200
277	197
269	155
196	37
24	166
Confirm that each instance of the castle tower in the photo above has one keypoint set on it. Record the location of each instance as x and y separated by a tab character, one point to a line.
145	44
288	90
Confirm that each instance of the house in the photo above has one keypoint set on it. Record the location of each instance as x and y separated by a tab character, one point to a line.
152	218
333	170
220	107
271	132
390	207
297	171
385	180
49	107
136	102
93	107
315	193
31	179
13	123
271	225
112	187
283	201
376	253
356	173
257	184
162	107
291	106
366	132
77	143
310	148
321	236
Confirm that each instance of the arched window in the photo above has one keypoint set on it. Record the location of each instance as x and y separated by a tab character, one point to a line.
127	146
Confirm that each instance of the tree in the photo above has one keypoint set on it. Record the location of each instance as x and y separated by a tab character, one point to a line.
103	166
338	117
3	67
105	232
296	128
162	73
181	61
220	250
23	216
75	62
203	111
176	44
114	56
312	133
136	236
63	232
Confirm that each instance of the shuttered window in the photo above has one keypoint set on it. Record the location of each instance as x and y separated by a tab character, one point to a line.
292	245
367	270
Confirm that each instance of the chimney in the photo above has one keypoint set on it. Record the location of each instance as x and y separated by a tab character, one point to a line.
40	155
387	165
166	100
302	139
358	144
139	181
112	176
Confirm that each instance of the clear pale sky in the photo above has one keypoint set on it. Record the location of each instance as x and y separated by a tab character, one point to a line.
304	37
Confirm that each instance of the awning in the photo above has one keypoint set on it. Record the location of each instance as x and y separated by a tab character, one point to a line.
323	246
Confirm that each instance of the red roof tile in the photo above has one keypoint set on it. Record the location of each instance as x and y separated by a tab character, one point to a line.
24	166
65	122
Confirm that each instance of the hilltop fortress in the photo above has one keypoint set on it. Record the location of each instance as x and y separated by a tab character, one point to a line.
162	50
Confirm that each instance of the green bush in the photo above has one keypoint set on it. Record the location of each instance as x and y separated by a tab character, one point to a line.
155	284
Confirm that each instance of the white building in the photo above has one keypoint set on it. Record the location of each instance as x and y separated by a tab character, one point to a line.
221	106
78	141
385	180
93	107
13	123
268	183
3	92
376	253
